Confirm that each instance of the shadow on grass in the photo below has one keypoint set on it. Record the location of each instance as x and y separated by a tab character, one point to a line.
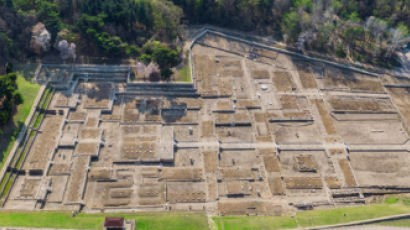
26	70
8	138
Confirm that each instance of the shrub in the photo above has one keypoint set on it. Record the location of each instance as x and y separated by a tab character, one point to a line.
8	97
132	51
391	200
166	73
18	98
340	52
9	67
145	58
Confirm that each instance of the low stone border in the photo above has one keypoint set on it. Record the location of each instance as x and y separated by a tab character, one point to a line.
362	222
22	132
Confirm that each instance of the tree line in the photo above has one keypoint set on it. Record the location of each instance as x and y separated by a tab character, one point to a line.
110	28
9	96
363	30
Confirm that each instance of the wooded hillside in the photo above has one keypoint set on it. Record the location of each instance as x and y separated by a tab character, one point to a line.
361	30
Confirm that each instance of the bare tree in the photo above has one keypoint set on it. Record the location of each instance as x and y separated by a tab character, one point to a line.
376	27
67	50
41	38
396	39
322	19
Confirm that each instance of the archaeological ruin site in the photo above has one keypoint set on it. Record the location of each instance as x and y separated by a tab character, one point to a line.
258	131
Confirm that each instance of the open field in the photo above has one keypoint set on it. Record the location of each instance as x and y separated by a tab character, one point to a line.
181	220
319	217
166	221
29	91
396	223
345	215
255	222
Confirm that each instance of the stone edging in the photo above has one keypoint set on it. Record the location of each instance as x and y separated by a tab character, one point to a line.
361	222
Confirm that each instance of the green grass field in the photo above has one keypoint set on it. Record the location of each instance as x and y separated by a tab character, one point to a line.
152	221
29	92
397	223
392	206
185	72
185	75
255	222
349	214
198	221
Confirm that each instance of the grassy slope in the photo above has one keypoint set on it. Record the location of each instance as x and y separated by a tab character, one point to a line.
165	221
319	217
337	216
29	92
397	223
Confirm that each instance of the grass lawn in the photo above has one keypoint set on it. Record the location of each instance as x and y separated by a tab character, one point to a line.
255	222
160	220
185	72
7	139
29	91
198	221
397	223
392	206
337	216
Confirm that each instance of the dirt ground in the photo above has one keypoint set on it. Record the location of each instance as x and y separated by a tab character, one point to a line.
264	133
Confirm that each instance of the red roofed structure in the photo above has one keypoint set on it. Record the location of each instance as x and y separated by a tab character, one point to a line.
114	223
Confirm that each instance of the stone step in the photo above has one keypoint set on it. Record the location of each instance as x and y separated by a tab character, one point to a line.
103	75
154	89
349	200
161	85
166	89
163	93
102	69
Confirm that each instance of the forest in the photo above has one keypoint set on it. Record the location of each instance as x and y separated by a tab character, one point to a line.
368	31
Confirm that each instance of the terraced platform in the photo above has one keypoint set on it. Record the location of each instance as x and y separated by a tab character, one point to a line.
257	132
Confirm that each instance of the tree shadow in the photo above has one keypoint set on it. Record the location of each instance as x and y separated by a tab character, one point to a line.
9	135
27	70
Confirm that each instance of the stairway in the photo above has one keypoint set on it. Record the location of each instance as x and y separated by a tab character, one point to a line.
162	89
